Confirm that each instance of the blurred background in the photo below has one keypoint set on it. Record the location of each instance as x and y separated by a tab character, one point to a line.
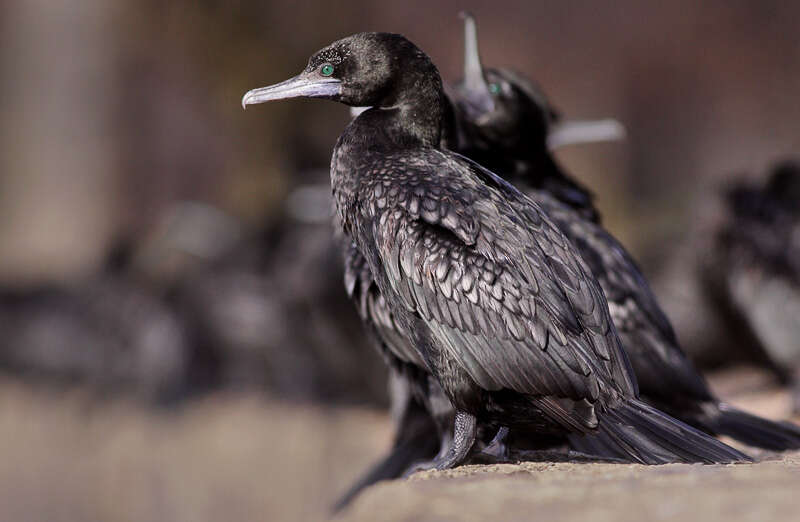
173	339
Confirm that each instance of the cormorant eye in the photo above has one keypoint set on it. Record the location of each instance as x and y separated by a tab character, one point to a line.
494	88
326	70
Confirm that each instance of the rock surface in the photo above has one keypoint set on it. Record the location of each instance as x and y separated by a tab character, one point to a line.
590	492
767	490
66	455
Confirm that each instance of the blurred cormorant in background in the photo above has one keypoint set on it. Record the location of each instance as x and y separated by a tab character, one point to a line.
667	378
756	267
107	332
198	303
494	300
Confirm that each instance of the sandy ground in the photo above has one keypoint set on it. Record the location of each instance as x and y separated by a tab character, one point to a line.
68	456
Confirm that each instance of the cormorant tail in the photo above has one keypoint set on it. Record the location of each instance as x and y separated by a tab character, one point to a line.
417	439
723	419
637	432
402	456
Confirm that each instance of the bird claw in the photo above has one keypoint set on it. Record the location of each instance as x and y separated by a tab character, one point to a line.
496	448
465	426
419	466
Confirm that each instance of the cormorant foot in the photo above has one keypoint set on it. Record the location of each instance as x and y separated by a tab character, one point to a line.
512	456
465	429
795	395
558	456
496	448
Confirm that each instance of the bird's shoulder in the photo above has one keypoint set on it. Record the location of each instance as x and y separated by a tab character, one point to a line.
425	184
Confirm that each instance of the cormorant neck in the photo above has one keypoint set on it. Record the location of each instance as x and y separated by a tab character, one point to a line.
546	164
414	112
413	118
546	174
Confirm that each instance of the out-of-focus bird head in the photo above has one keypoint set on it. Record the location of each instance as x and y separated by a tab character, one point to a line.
502	108
497	106
784	185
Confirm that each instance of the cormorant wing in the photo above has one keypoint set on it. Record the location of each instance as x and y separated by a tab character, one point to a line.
661	366
373	309
499	286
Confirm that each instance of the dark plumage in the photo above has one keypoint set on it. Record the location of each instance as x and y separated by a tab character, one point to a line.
666	377
757	266
495	301
109	332
505	123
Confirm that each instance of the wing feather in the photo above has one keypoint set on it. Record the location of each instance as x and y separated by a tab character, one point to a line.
502	291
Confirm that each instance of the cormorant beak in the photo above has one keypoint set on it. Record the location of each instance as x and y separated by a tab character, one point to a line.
355	112
299	86
474	87
589	131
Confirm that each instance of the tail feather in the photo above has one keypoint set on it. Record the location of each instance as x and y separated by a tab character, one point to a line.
391	467
417	439
638	432
724	419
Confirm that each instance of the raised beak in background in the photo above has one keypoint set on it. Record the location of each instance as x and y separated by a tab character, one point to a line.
474	89
575	132
300	86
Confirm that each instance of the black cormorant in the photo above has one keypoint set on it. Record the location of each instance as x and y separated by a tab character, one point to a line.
517	150
757	266
506	123
497	304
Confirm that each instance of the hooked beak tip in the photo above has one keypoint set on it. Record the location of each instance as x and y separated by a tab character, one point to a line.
246	99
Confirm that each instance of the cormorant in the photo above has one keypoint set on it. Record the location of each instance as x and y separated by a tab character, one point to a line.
506	123
495	301
757	266
517	150
512	137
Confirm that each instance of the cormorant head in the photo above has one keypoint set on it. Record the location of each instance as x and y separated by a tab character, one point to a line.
498	108
365	69
780	193
501	108
784	185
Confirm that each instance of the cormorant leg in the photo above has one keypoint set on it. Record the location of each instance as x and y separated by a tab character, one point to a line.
794	390
445	445
496	448
464	431
465	428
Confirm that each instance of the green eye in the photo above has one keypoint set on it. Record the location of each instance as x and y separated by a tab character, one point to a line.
326	70
494	88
